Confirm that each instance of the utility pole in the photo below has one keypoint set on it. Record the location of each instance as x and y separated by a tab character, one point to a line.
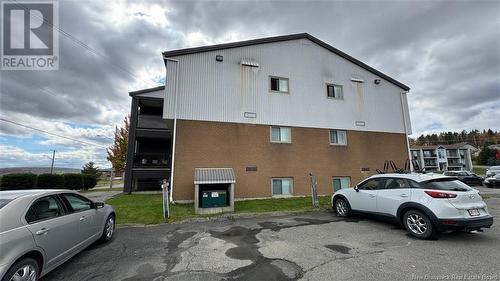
53	157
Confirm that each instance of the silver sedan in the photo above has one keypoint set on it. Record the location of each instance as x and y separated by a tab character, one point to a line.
41	229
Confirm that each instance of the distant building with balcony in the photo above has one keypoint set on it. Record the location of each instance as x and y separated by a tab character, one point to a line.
448	157
149	145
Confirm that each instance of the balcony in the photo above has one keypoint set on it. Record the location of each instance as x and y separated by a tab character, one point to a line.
151	160
151	122
455	163
452	154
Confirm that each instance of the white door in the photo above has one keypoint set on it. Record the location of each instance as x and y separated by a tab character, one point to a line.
395	192
365	199
53	230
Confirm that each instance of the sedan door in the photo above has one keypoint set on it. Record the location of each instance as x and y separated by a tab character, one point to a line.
84	209
365	199
395	192
53	230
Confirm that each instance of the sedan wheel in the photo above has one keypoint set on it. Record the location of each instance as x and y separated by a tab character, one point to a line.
342	208
418	224
109	229
24	270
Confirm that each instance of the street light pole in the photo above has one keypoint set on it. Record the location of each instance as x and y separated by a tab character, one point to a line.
53	157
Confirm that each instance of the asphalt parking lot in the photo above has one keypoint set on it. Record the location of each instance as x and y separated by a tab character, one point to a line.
315	246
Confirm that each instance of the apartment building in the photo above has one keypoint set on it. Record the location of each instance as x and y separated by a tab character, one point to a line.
448	157
270	110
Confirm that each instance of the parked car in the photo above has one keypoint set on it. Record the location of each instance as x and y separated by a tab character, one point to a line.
465	177
424	205
493	181
493	170
41	229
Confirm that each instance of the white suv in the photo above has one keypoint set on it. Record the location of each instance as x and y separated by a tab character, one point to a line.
424	204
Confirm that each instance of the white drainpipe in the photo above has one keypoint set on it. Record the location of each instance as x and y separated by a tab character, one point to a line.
406	129
174	135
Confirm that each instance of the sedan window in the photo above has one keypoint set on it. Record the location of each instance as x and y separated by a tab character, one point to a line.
43	209
371	184
77	203
4	202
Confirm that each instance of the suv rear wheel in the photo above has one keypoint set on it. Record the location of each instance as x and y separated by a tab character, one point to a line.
418	224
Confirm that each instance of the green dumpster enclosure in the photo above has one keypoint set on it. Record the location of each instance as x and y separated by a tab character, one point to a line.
212	199
214	190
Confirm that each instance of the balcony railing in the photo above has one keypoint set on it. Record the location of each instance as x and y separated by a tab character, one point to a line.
151	160
151	122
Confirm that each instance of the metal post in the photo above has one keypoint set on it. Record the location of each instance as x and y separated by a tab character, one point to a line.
53	157
166	201
314	191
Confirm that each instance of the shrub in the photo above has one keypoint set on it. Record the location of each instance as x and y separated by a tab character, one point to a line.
18	181
50	181
89	181
73	181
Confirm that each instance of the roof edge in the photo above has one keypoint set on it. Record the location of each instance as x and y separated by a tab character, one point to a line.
274	39
148	90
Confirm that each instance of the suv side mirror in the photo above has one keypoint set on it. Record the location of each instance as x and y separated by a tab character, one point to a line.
99	205
356	188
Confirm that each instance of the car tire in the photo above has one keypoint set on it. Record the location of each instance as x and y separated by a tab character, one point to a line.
26	269
109	229
341	207
418	225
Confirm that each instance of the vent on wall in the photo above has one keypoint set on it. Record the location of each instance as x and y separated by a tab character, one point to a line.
250	115
250	63
360	123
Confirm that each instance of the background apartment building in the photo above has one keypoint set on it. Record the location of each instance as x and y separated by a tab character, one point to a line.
448	157
273	110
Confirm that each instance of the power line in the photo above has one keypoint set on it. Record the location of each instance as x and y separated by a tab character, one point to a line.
50	133
85	46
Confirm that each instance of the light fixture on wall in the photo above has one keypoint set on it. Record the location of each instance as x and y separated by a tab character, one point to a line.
219	58
376	81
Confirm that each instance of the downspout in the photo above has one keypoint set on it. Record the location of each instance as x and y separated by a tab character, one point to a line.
403	110
174	135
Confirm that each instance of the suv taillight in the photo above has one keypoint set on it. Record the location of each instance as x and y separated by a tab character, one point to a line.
439	194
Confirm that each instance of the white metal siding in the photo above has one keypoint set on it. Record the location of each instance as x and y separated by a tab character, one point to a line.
222	91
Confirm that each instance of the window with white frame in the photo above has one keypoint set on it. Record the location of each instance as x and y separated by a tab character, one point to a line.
281	134
282	186
341	182
338	137
334	91
278	84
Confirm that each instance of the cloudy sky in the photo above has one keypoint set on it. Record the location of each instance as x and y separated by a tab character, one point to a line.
448	52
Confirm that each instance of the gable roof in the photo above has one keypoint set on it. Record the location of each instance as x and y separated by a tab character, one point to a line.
187	51
143	91
436	146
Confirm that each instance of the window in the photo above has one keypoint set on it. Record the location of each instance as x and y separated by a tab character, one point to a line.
278	84
372	184
77	203
392	183
341	182
334	91
282	186
281	134
338	137
43	209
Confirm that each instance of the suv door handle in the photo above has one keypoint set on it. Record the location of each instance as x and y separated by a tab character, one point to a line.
403	195
42	231
372	195
82	218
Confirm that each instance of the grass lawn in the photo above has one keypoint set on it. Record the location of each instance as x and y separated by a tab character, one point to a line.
147	208
479	170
